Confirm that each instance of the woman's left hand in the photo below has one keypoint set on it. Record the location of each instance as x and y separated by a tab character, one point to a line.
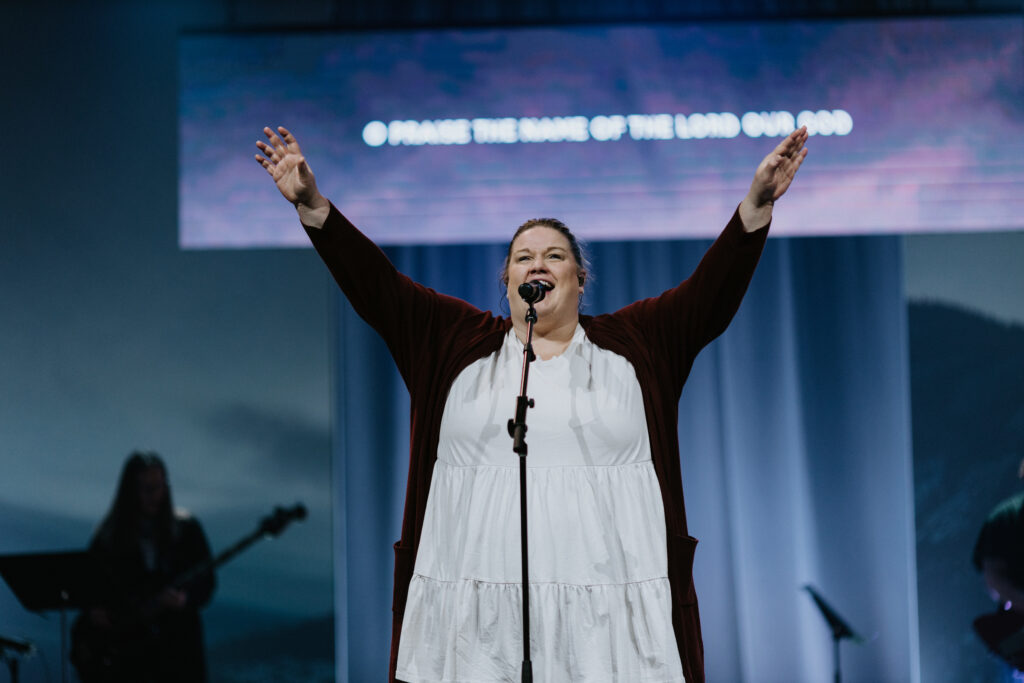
773	177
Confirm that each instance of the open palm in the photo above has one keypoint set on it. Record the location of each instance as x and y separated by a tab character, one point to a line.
775	172
283	160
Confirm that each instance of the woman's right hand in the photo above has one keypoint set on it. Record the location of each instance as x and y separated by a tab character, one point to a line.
283	160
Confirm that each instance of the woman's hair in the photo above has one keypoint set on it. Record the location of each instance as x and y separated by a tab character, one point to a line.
121	523
578	251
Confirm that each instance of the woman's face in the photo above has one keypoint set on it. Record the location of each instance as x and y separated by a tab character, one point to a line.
543	253
152	491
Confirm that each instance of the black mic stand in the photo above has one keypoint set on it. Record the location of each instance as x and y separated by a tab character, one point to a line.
517	430
840	629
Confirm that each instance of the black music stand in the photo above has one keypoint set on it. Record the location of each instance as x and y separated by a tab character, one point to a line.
840	629
56	581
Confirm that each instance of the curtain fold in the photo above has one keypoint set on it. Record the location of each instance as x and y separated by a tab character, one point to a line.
794	432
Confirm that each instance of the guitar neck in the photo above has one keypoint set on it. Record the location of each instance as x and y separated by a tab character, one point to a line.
222	557
270	526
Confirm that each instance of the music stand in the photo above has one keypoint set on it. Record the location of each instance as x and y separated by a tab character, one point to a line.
19	648
56	581
840	629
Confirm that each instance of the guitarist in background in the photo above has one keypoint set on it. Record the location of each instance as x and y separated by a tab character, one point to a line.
150	632
999	556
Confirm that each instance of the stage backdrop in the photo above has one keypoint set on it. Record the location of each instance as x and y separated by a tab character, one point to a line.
636	131
795	426
795	454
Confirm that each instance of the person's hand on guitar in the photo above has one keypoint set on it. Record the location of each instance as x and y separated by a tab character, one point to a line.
1000	587
172	599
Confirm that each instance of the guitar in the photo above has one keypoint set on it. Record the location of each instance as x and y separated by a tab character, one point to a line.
1003	634
97	652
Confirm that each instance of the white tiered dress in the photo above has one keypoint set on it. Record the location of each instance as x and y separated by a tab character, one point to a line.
600	608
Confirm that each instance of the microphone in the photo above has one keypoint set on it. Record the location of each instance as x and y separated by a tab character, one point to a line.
532	292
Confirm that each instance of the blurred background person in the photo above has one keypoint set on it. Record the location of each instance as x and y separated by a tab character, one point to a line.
157	559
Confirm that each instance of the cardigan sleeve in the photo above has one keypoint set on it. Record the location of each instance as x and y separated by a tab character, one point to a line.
677	324
408	316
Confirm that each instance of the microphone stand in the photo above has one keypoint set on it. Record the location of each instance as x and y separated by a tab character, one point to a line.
517	430
840	629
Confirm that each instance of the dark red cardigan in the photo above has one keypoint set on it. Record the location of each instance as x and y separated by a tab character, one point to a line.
433	337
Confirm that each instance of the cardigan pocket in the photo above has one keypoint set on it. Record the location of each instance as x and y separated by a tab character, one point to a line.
404	562
680	568
685	613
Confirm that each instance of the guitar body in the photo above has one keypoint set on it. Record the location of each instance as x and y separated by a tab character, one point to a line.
106	653
162	647
1003	634
136	635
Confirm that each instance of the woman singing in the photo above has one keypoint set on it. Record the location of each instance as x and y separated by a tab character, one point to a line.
610	581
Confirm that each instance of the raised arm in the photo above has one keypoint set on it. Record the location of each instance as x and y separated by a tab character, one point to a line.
678	323
409	317
382	296
771	180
